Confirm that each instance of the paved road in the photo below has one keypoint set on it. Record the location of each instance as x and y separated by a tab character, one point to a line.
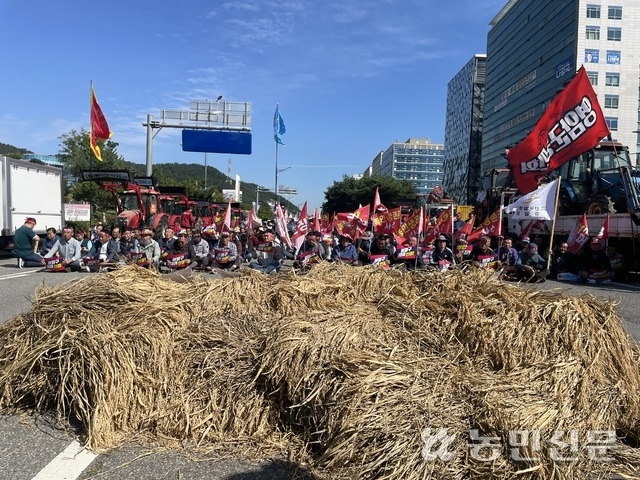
31	444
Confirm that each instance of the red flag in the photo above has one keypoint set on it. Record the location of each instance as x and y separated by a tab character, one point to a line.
302	228
281	227
409	228
353	223
579	235
386	222
572	124
465	230
316	220
490	226
603	234
443	225
254	220
226	224
377	204
98	129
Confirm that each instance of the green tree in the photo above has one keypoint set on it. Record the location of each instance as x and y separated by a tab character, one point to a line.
348	194
76	155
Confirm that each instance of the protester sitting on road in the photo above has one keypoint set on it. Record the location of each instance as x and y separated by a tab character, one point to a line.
383	246
363	246
115	236
182	255
311	251
480	255
23	245
69	251
103	252
618	265
256	238
150	247
95	233
507	259
345	251
442	256
531	266
595	266
563	264
210	236
268	255
48	241
409	254
85	243
522	244
201	247
225	254
461	250
128	244
167	240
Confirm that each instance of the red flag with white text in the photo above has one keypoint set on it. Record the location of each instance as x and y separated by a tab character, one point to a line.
579	235
302	228
387	221
409	228
354	223
443	225
572	124
226	224
603	234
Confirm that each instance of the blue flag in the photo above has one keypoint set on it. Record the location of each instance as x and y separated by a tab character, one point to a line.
278	127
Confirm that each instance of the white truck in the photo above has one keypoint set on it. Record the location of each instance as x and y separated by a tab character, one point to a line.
29	190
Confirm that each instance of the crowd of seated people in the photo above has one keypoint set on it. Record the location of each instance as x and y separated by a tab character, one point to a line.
262	249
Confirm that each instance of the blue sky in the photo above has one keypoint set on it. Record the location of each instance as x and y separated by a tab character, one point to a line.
350	76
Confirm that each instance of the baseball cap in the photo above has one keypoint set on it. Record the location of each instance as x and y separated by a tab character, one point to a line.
442	238
30	220
525	239
182	233
146	231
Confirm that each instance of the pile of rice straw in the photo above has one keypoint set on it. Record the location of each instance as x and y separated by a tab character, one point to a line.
355	372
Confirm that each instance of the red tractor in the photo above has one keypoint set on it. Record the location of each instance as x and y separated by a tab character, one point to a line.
174	201
137	199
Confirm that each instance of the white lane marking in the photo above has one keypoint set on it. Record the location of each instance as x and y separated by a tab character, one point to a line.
17	275
68	465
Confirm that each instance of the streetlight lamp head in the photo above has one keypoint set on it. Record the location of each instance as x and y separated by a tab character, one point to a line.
219	98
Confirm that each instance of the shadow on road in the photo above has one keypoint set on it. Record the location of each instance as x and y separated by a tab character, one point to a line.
276	471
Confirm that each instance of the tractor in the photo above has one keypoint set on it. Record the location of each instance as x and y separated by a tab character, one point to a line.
137	199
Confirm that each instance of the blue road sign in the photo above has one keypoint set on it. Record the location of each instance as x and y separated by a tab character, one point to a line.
216	141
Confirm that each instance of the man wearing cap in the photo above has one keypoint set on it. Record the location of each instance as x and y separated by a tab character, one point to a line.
128	244
442	256
150	247
522	244
595	266
23	247
345	251
530	265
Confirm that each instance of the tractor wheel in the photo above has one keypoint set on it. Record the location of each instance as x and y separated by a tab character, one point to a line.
599	205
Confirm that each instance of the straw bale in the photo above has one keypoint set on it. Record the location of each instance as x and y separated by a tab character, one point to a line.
344	367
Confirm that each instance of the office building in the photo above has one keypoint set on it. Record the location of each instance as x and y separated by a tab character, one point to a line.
463	131
417	161
533	49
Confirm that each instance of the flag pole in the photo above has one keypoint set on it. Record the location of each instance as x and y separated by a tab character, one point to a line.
553	223
275	190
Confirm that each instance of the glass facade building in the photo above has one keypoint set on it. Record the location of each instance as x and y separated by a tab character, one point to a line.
463	131
417	161
533	49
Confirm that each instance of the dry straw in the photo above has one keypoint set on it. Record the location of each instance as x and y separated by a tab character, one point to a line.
342	369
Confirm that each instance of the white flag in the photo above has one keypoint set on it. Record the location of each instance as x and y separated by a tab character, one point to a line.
536	205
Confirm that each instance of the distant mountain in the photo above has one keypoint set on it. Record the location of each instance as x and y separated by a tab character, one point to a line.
180	172
11	151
